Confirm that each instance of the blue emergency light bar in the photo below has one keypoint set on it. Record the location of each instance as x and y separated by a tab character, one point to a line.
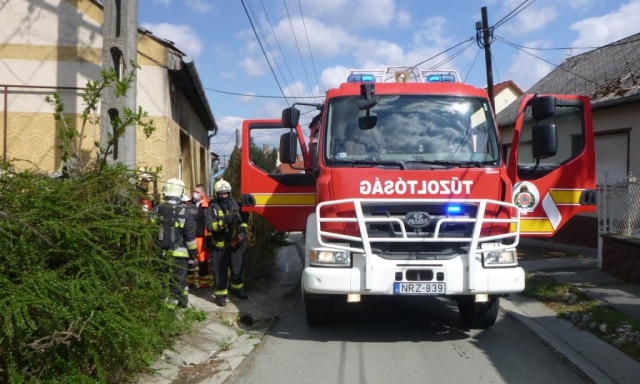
361	78
441	79
454	209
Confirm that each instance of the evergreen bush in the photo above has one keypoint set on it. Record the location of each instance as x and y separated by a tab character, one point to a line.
82	287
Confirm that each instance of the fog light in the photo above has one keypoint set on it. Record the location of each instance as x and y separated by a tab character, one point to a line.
353	298
482	298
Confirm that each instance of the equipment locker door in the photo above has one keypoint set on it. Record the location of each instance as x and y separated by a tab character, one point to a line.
552	189
284	194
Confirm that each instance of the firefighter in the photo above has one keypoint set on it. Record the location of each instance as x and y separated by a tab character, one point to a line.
143	187
200	201
177	238
228	231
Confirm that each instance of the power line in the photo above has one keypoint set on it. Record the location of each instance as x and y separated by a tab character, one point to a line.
472	64
570	48
267	42
546	61
293	32
445	51
313	63
452	57
284	57
264	53
511	14
261	96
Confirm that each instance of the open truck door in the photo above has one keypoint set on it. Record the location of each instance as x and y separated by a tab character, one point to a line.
284	193
552	162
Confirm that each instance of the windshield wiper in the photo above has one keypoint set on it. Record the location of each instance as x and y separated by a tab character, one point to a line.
371	163
454	163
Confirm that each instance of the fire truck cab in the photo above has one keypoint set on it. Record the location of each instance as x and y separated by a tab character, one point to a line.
403	188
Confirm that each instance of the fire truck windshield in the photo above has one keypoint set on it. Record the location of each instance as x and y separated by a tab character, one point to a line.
416	130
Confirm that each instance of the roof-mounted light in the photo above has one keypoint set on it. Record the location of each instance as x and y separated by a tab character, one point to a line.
441	79
361	78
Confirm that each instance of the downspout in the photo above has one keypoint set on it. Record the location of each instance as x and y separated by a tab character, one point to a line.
6	115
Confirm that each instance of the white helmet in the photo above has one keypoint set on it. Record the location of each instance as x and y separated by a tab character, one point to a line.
173	188
222	186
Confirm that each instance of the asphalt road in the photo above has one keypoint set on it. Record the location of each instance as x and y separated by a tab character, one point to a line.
412	340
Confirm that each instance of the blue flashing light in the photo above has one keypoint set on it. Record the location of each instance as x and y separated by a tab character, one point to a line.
361	78
454	209
441	79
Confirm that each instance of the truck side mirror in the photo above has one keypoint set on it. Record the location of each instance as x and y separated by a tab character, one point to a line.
290	117
544	141
288	147
542	107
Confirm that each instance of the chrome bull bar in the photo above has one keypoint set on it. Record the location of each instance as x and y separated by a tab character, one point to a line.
474	240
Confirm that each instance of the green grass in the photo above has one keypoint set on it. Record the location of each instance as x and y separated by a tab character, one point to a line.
610	325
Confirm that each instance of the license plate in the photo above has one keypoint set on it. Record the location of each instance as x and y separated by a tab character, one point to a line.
418	288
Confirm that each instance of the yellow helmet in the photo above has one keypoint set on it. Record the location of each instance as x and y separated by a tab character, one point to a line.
222	186
173	188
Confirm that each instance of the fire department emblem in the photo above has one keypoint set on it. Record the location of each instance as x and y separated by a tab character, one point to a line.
417	219
526	196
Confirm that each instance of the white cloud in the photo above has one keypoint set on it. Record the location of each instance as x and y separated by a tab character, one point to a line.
354	15
325	40
598	31
332	77
200	6
580	4
249	97
252	67
163	2
403	19
184	37
526	70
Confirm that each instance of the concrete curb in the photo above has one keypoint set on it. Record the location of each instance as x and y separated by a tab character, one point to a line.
593	358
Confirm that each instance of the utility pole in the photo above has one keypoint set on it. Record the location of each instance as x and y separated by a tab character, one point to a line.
482	30
119	48
237	138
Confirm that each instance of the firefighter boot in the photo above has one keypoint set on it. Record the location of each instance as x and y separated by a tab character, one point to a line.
221	301
239	293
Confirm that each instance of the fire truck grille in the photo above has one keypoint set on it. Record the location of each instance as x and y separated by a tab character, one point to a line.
419	251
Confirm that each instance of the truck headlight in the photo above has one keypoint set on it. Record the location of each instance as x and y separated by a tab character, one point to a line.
500	258
327	257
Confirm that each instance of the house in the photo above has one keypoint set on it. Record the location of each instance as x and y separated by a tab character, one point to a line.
610	77
56	46
505	93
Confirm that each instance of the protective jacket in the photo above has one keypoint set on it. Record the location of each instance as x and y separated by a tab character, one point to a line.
225	224
177	236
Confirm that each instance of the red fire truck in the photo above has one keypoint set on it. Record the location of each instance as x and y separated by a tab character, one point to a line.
404	188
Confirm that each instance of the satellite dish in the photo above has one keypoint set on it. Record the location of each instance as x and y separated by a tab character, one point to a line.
402	76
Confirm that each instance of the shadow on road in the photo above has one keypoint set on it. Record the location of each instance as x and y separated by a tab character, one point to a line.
378	319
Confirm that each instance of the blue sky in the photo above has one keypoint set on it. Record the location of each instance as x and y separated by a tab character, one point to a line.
346	34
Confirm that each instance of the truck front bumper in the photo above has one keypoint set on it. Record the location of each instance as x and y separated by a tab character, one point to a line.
384	275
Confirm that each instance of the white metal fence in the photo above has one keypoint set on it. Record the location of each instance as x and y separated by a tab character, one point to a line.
619	208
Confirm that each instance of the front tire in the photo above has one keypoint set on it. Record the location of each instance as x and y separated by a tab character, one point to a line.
478	315
317	309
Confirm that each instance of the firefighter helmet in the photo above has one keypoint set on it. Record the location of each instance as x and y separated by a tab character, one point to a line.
222	186
173	188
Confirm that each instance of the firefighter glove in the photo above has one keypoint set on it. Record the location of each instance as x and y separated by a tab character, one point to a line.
193	254
228	220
